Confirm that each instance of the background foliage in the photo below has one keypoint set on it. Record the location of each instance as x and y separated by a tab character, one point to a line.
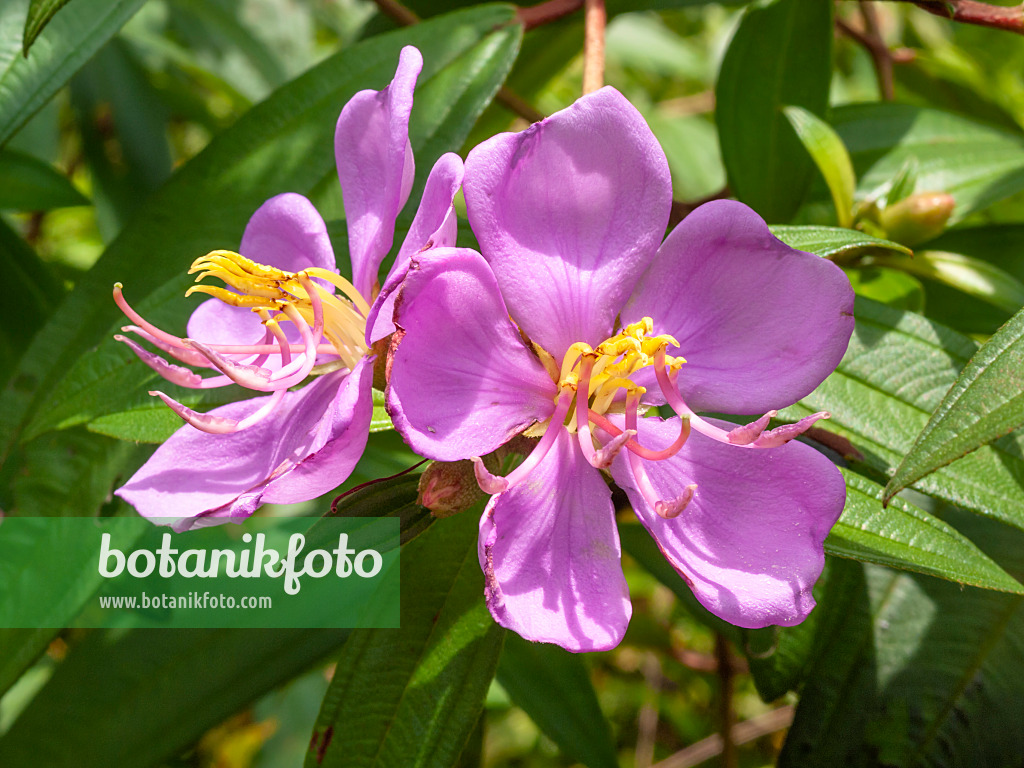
136	135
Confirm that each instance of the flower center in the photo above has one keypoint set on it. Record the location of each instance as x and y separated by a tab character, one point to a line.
278	295
602	375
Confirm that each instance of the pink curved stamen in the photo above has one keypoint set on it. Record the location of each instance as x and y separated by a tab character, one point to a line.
187	355
496	484
168	341
748	433
136	318
263	379
175	374
643	452
220	425
770	439
583	435
666	509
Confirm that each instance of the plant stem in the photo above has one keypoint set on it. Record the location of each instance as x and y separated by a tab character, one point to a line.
594	21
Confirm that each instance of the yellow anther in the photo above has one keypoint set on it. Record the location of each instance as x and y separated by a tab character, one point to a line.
267	289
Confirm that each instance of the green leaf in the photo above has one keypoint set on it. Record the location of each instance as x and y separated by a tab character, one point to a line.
285	143
553	687
921	672
906	537
830	155
985	403
895	372
972	276
975	163
172	686
32	185
411	697
834	243
39	14
380	421
67	42
888	286
780	55
39	293
779	661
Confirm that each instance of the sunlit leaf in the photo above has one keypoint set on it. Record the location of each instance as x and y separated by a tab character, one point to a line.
831	157
985	403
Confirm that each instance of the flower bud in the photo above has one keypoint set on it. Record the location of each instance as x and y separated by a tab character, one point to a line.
449	487
917	218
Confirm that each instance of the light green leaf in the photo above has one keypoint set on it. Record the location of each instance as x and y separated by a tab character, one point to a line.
411	697
553	687
985	402
830	155
834	243
32	185
780	55
975	163
380	421
906	537
975	277
67	42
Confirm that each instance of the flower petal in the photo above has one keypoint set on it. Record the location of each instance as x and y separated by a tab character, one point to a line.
750	543
551	557
288	232
339	440
194	476
759	323
375	166
214	322
462	381
567	212
434	225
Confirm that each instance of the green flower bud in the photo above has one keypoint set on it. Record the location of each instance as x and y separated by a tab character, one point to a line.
917	218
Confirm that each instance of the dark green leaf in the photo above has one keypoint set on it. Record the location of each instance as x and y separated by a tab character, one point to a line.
39	293
908	538
922	673
553	687
285	143
780	656
68	41
780	55
411	697
894	374
171	686
32	185
39	14
986	402
834	242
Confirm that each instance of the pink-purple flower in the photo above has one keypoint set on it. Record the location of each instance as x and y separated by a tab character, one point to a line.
279	320
575	320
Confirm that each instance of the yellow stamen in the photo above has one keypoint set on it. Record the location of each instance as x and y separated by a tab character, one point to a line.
266	289
612	364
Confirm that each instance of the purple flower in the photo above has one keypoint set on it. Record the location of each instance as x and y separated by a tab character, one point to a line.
273	326
576	293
